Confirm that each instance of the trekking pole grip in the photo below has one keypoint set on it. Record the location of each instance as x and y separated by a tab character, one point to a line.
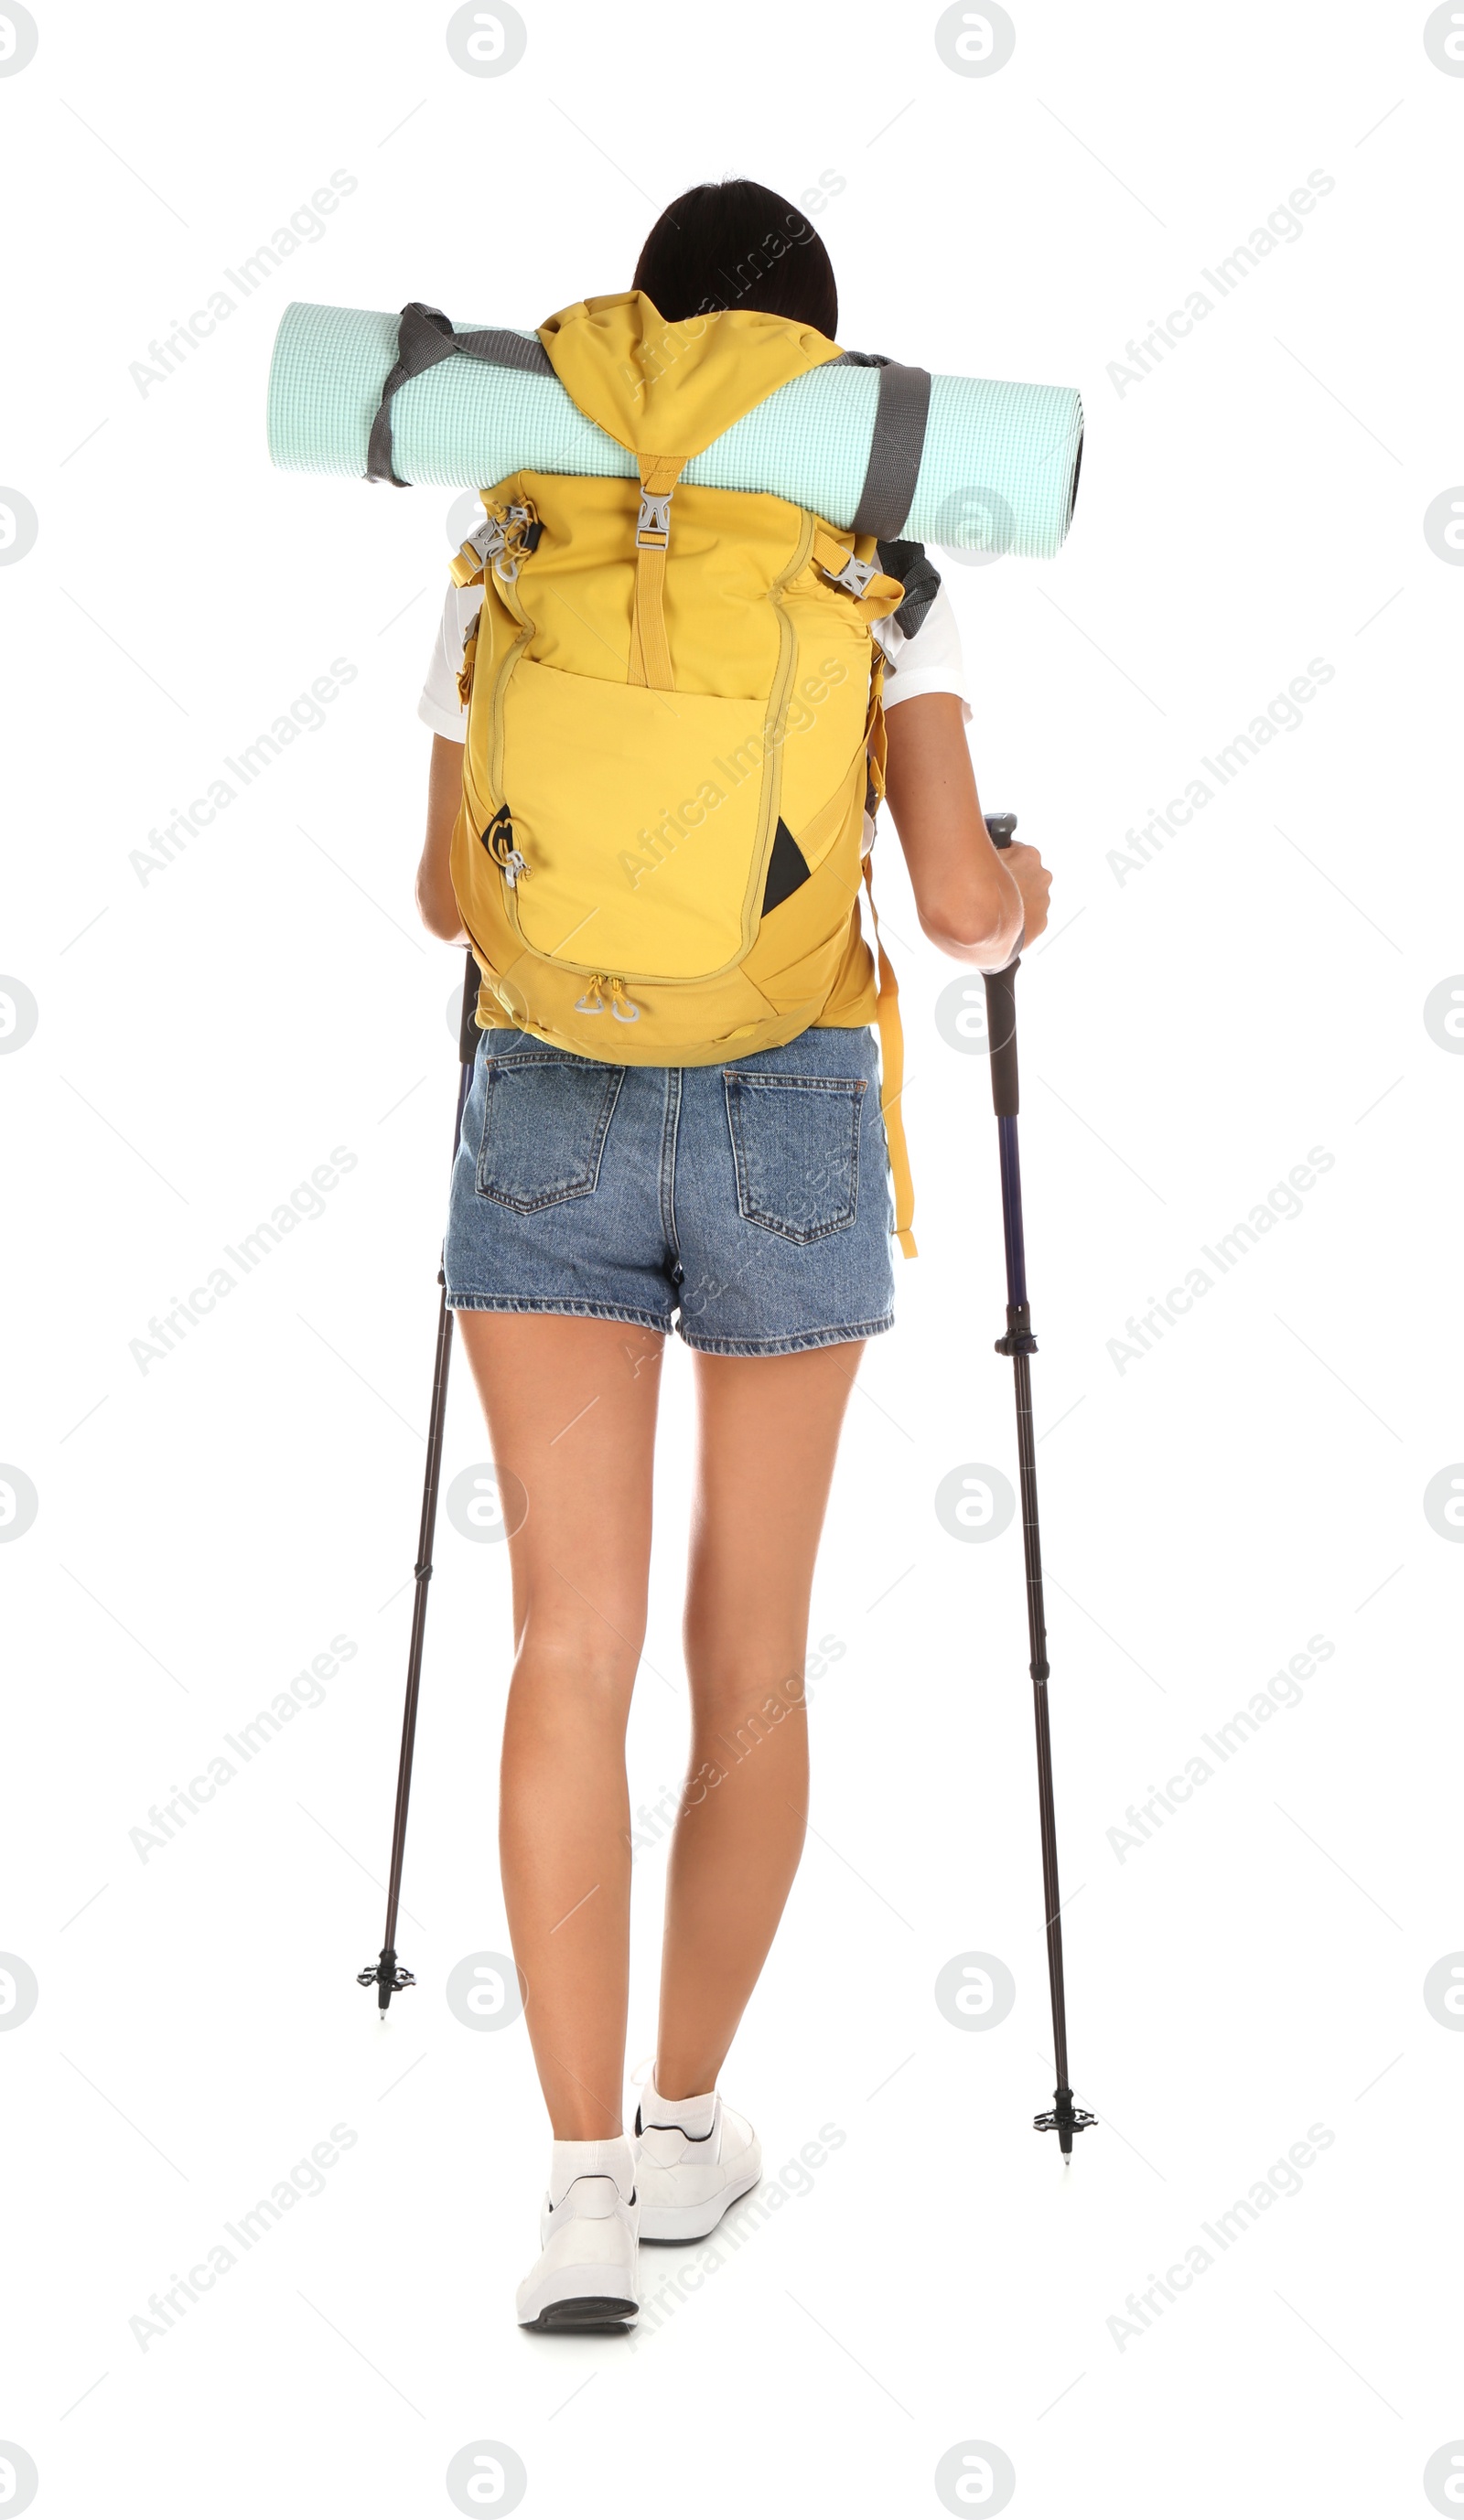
1001	1004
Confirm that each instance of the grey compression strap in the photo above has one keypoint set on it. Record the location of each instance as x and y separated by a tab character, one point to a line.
424	335
896	448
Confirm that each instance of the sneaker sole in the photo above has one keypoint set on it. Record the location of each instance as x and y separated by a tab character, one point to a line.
592	2311
692	2222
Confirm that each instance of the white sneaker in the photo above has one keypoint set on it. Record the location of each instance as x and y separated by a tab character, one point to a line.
693	2159
585	2276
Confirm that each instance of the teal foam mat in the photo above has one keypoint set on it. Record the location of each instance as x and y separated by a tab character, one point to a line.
999	470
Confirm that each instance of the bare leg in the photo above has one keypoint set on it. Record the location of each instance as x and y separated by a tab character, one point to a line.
571	1407
769	1431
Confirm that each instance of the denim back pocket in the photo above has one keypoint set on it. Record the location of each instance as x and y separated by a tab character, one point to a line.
795	1148
546	1117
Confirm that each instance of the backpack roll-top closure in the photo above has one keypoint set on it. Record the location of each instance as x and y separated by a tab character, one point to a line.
668	390
664	391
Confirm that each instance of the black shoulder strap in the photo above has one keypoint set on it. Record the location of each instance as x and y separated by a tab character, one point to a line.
423	336
918	574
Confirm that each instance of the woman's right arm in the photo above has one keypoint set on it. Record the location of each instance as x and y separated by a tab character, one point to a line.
435	900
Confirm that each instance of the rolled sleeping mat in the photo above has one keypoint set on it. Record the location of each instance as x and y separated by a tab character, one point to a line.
998	470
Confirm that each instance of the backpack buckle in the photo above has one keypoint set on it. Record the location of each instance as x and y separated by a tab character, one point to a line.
519	533
516	531
653	530
482	547
854	576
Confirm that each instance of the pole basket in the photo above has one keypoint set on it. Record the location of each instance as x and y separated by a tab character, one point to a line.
387	1976
1063	2121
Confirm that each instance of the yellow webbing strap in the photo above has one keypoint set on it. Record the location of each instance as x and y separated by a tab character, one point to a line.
829	552
650	651
892	1086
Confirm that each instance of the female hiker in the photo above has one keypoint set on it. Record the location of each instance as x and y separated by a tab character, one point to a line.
601	1199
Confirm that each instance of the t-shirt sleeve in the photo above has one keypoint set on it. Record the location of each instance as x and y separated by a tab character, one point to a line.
439	706
931	661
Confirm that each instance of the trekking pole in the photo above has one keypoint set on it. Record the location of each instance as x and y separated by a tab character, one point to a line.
386	1975
1019	1344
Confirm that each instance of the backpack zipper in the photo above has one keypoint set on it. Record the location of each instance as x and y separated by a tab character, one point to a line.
524	538
777	705
622	1005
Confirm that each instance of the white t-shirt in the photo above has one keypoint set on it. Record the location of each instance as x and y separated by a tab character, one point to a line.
931	661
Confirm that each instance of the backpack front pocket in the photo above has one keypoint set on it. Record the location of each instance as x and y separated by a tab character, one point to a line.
796	1149
546	1117
643	818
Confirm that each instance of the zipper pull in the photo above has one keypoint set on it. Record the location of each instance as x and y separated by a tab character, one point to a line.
586	1005
498	840
623	1008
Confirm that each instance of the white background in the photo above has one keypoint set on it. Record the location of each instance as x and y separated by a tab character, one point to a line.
206	1037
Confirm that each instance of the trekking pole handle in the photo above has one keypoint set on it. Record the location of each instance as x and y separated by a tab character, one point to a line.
1001	1002
467	1020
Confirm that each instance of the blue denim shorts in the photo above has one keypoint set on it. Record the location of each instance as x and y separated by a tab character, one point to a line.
745	1206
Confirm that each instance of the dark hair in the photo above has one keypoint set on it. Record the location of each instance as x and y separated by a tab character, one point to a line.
737	244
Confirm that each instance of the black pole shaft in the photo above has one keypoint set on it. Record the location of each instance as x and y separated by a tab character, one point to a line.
1018	1327
386	1975
1021	1345
1037	1630
423	1572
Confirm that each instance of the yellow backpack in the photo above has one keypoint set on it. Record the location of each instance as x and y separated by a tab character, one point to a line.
674	724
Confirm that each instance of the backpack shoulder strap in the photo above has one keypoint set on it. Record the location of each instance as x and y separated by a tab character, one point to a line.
918	574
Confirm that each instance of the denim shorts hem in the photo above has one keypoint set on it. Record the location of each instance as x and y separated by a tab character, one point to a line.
746	1205
792	1346
462	1303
